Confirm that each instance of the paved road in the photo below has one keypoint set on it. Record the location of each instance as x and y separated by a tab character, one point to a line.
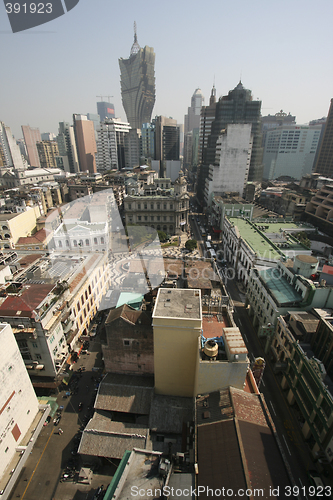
40	477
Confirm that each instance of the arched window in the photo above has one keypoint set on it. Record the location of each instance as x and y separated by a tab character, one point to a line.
171	229
158	228
67	243
7	235
75	243
102	240
60	244
87	243
165	228
4	228
81	243
95	241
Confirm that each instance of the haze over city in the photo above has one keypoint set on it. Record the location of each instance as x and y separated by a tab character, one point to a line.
279	51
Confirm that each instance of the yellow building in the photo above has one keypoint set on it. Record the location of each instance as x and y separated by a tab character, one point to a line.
15	226
177	322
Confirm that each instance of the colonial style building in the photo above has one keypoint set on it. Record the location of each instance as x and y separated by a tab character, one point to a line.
161	207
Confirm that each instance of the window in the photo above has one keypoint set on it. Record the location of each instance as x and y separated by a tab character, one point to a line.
171	206
87	243
152	217
126	342
139	206
152	206
95	241
60	244
145	206
139	217
164	206
146	218
158	206
102	240
129	206
75	243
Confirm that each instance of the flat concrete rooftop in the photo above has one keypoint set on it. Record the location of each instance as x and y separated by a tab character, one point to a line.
178	303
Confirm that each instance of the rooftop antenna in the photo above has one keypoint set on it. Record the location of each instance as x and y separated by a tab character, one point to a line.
135	47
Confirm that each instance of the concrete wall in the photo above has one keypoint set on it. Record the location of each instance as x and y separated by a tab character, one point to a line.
18	401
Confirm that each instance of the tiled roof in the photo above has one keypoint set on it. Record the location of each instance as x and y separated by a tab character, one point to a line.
126	394
24	304
168	413
104	437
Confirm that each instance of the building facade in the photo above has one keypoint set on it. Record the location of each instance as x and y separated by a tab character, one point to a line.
137	79
324	164
86	143
31	137
233	156
163	209
18	401
290	151
111	136
47	152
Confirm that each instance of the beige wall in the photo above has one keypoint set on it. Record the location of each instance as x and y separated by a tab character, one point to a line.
215	375
175	355
23	224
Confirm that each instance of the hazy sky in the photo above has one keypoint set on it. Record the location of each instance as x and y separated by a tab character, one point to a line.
282	50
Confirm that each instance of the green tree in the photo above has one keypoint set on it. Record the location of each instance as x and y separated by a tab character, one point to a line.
162	236
191	245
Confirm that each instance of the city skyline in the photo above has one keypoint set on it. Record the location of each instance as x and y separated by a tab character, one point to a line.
279	52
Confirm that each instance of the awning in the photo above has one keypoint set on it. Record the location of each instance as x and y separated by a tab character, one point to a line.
215	230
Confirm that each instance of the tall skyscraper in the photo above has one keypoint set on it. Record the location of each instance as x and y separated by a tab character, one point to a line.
192	119
111	144
31	137
137	78
67	147
166	138
105	110
10	152
324	164
191	130
86	143
236	107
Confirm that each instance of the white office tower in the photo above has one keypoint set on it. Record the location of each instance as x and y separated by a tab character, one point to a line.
291	150
18	401
111	144
233	155
9	150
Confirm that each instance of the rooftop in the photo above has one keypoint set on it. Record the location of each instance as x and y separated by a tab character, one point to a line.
125	393
104	437
260	240
280	287
178	303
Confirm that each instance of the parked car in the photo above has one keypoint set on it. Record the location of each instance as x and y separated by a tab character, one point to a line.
80	406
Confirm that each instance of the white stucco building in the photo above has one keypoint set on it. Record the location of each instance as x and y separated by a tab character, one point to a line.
233	155
18	401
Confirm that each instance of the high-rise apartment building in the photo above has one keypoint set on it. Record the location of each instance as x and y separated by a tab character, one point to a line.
274	121
137	78
111	144
86	143
324	164
31	137
48	152
67	147
10	152
105	110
